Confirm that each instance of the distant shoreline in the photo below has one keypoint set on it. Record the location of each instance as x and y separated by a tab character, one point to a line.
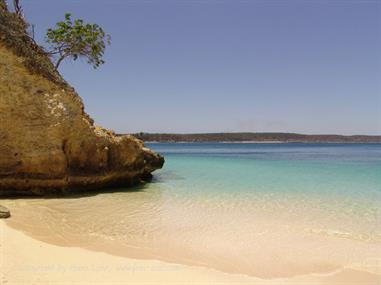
226	142
254	138
262	142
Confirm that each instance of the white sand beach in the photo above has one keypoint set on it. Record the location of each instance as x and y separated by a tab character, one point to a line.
28	261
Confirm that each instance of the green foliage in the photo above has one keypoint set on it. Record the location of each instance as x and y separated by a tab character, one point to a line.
75	39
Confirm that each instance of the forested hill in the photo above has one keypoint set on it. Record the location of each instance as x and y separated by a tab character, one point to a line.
255	137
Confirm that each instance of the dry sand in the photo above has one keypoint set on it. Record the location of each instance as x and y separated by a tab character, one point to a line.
28	261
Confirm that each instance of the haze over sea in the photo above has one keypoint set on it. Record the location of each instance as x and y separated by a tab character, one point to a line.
265	210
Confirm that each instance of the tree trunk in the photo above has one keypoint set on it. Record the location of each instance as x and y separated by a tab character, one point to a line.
59	61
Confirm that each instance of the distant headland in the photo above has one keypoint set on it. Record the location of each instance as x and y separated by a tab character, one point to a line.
256	137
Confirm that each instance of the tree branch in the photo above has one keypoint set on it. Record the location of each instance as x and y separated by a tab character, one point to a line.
18	10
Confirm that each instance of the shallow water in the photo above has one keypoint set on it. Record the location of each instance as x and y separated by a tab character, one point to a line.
267	210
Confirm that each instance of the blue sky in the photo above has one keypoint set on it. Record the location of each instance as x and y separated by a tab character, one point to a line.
208	66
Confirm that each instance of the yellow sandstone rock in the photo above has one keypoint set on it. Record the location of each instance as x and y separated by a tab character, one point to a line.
48	144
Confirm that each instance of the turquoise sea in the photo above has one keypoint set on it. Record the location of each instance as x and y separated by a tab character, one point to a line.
338	180
261	209
276	168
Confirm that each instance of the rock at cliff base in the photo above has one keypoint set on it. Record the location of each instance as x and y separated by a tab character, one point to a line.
4	212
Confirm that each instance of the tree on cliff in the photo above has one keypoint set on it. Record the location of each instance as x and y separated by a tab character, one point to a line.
75	39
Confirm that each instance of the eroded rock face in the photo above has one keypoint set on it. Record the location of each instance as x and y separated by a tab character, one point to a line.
48	144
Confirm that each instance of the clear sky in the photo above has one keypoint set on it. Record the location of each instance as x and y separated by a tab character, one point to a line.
311	66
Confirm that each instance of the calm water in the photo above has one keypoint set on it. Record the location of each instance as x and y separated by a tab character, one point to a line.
267	210
314	169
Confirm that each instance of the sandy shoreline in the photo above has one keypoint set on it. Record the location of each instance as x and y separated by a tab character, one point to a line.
28	261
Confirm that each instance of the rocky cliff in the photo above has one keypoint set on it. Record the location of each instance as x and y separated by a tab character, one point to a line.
48	144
